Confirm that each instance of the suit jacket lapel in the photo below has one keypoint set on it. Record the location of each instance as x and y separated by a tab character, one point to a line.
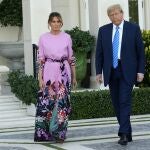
109	35
124	35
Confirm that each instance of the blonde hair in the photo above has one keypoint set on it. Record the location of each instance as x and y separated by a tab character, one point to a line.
114	7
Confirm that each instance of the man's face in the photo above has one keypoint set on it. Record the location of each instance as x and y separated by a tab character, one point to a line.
116	17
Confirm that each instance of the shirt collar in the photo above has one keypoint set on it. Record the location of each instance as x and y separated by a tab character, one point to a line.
120	26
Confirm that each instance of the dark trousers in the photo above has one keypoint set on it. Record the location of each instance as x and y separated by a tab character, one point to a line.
120	92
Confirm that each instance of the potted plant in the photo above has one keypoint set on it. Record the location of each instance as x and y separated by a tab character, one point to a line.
11	20
11	14
83	43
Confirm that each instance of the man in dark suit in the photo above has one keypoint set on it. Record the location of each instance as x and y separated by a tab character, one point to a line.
120	55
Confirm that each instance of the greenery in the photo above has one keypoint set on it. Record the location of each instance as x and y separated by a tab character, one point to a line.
11	13
81	67
82	41
133	11
93	104
96	104
146	40
25	87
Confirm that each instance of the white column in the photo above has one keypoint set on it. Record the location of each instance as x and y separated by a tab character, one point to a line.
93	27
147	12
84	15
4	70
74	13
141	14
98	17
35	17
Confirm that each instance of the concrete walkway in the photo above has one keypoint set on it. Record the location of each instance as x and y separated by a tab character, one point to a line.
90	134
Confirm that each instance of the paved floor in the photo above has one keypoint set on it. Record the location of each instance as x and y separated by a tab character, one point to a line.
90	134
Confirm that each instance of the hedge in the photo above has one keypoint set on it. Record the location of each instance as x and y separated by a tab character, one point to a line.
97	104
23	86
93	104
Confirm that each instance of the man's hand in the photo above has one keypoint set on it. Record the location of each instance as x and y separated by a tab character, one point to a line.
99	79
140	77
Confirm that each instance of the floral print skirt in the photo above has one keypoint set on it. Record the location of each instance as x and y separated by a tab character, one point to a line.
52	112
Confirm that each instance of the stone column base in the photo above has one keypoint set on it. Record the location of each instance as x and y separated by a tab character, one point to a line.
4	86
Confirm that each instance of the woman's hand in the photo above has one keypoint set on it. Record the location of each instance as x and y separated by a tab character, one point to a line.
41	84
74	83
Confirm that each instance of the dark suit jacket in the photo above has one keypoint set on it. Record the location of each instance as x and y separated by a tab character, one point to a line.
132	52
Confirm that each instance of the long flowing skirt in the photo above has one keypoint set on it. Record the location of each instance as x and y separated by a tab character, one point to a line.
52	112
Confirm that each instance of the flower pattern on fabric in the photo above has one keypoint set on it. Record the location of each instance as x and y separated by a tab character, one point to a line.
53	109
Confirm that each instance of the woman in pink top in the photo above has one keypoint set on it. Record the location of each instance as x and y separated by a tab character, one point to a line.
56	72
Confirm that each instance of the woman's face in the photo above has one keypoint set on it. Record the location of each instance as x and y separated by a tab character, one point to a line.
55	24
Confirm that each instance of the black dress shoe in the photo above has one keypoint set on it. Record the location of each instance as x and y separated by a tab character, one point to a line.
129	138
123	139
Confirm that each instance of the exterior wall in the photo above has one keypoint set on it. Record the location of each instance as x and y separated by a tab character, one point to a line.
39	17
141	8
84	15
74	13
69	9
8	34
35	16
147	13
4	61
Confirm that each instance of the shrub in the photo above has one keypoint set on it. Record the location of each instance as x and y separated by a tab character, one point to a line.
82	41
146	40
96	104
93	104
25	87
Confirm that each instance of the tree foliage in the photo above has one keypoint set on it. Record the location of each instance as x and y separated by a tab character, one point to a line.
11	13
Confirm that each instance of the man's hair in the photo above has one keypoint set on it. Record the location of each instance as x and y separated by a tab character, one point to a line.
114	7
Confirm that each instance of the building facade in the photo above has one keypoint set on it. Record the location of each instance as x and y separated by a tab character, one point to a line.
86	14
